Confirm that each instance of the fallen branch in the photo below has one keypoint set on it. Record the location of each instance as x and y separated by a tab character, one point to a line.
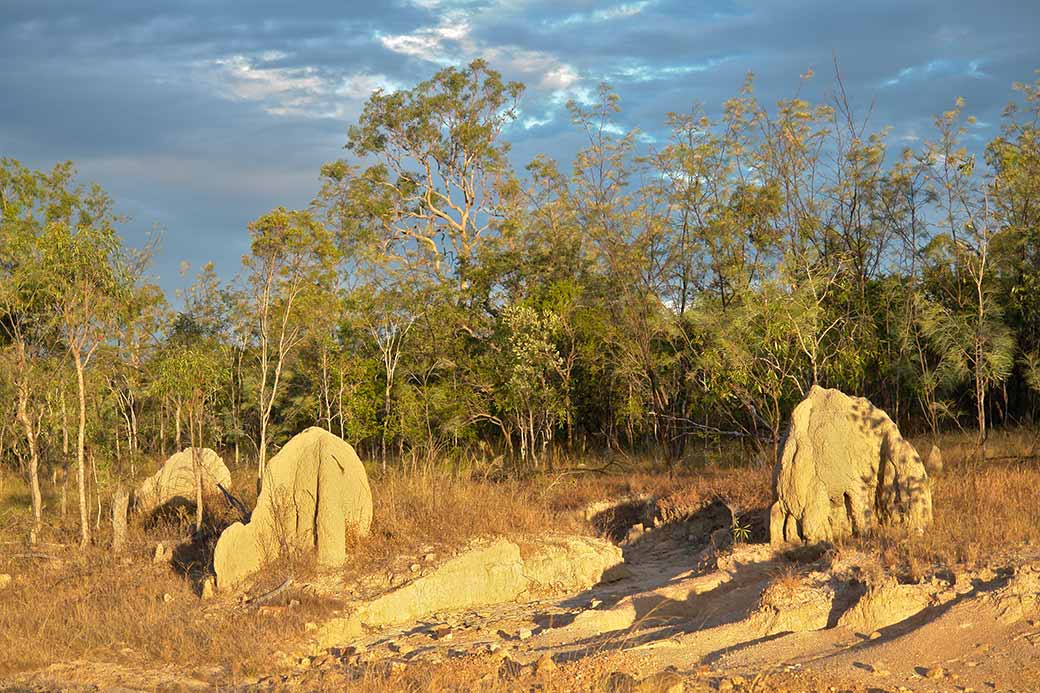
234	502
34	554
268	596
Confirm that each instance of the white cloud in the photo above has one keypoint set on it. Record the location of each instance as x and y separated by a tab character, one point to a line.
451	42
293	91
622	11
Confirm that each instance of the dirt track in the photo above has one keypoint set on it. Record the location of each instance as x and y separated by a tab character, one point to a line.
746	617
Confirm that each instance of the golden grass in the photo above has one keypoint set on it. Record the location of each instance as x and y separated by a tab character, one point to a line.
89	604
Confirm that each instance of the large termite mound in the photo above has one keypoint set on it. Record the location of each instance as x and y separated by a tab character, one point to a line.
844	469
313	490
174	482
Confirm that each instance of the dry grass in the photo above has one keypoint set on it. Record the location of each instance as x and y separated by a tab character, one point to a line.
93	606
983	511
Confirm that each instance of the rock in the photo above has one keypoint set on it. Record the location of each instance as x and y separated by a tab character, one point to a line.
1018	599
208	588
487	573
619	682
844	469
524	634
509	669
339	630
442	632
545	665
884	604
175	480
934	462
571	564
493	572
5	581
805	605
271	610
312	491
662	682
159	554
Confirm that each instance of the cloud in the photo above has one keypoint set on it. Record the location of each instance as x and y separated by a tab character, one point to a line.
304	92
201	116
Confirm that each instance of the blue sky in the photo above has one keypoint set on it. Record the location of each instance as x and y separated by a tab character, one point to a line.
200	115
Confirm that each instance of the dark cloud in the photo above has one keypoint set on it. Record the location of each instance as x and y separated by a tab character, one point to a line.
199	116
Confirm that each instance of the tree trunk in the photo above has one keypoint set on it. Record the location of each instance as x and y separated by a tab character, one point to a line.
120	501
196	463
81	444
34	462
162	428
177	420
64	457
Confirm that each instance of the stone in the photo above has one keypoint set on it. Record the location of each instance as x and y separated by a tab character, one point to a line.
208	588
488	573
492	572
545	665
934	462
662	682
524	634
159	554
174	482
442	632
313	490
571	564
845	469
620	682
884	604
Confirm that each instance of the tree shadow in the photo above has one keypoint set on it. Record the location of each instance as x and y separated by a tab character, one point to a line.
706	536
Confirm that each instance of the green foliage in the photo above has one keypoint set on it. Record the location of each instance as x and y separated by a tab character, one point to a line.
433	303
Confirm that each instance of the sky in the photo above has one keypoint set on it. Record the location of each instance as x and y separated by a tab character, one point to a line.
198	116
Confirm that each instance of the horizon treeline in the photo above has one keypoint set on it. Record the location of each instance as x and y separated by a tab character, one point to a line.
435	305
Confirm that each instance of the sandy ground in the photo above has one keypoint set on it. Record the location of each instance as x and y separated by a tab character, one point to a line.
682	618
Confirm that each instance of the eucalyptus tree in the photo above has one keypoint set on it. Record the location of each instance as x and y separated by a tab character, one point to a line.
441	172
87	281
23	319
190	371
291	272
963	319
1014	194
72	273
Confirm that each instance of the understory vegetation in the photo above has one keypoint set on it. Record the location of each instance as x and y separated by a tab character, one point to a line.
453	317
126	609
